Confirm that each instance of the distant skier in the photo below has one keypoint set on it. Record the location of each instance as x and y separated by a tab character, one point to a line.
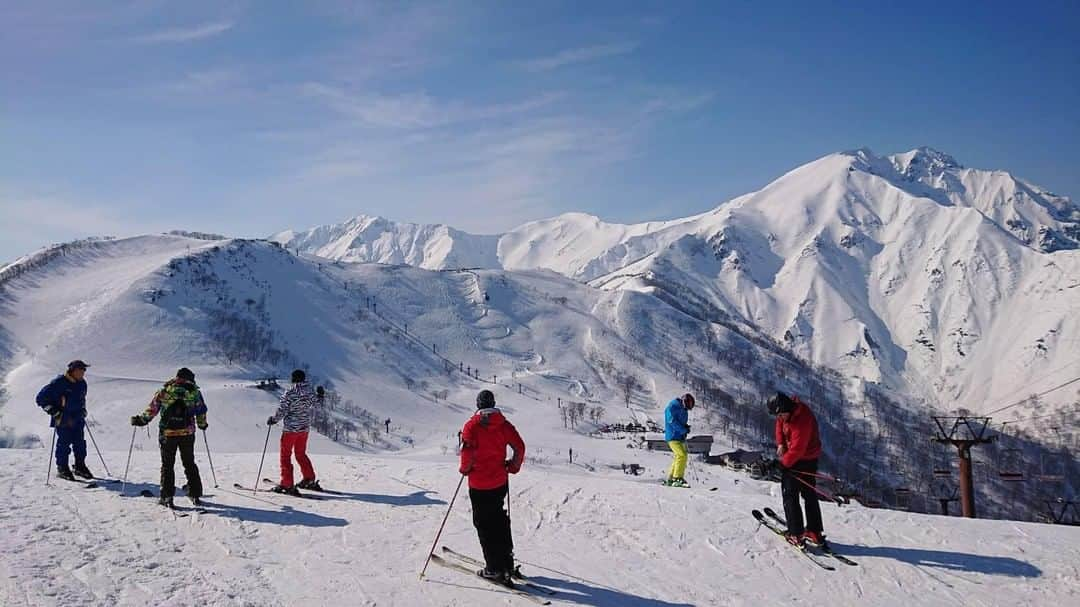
387	422
484	440
798	447
181	405
64	399
295	409
676	429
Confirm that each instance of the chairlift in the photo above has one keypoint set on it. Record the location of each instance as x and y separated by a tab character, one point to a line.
1011	465
942	462
1052	463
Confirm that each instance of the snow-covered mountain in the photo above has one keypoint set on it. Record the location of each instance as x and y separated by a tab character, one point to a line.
377	240
908	270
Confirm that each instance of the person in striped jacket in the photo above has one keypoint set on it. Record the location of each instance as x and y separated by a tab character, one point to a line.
295	412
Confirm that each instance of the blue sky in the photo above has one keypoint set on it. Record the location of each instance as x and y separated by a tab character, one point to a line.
247	118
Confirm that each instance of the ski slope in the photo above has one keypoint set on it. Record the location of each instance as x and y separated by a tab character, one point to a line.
599	538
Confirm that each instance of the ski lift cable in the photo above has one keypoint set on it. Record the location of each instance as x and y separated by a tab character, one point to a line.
1044	392
1039	378
1014	421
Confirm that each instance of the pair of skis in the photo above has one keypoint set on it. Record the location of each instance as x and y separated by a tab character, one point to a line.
306	496
772	521
457	561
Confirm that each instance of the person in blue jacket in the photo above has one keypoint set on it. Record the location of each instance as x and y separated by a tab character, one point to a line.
676	429
64	399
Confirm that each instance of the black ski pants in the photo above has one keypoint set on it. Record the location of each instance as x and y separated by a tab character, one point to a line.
493	527
186	445
793	485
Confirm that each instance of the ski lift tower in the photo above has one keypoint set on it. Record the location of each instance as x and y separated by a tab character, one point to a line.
963	433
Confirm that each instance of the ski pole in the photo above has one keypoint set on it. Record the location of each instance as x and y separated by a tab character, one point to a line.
828	496
52	448
210	459
439	534
123	486
820	475
102	458
255	487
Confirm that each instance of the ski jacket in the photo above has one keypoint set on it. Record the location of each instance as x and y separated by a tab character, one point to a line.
295	407
69	396
799	436
676	421
483	449
181	405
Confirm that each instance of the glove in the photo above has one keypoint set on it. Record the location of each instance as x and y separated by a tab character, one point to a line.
137	420
270	421
512	467
53	409
202	425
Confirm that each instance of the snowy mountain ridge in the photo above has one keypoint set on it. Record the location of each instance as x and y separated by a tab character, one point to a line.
910	270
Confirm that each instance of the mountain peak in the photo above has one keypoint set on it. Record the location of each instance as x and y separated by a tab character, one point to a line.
924	162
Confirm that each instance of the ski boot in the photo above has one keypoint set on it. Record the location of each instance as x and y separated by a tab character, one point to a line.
65	473
196	501
499	577
815	539
677	482
312	484
795	539
165	501
293	491
81	470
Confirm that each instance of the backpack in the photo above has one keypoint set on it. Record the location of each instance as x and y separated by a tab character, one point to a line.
176	414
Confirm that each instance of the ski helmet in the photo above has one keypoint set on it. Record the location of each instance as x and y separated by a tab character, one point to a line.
185	373
298	376
485	400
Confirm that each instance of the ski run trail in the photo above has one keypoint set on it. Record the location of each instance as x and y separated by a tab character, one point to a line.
598	538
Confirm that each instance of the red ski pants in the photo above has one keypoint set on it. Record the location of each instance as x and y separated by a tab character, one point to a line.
289	442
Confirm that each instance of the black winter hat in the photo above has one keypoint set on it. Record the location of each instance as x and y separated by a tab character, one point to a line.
780	403
298	376
185	373
485	400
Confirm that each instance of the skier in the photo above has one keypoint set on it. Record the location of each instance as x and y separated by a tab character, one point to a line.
798	449
182	408
387	422
676	429
484	440
64	399
295	410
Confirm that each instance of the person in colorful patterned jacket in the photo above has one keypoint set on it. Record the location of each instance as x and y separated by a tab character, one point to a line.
484	440
295	410
182	408
64	399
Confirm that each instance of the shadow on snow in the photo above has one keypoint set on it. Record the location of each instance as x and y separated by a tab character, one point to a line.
951	561
286	515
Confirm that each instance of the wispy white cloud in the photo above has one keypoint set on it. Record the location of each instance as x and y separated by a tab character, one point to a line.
578	55
416	110
185	34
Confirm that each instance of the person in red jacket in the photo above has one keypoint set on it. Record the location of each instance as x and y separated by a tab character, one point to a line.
798	448
484	440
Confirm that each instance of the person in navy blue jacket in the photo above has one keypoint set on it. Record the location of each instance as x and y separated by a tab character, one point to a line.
676	429
64	399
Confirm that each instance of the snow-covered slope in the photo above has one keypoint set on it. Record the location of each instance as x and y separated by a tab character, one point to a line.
600	539
907	270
